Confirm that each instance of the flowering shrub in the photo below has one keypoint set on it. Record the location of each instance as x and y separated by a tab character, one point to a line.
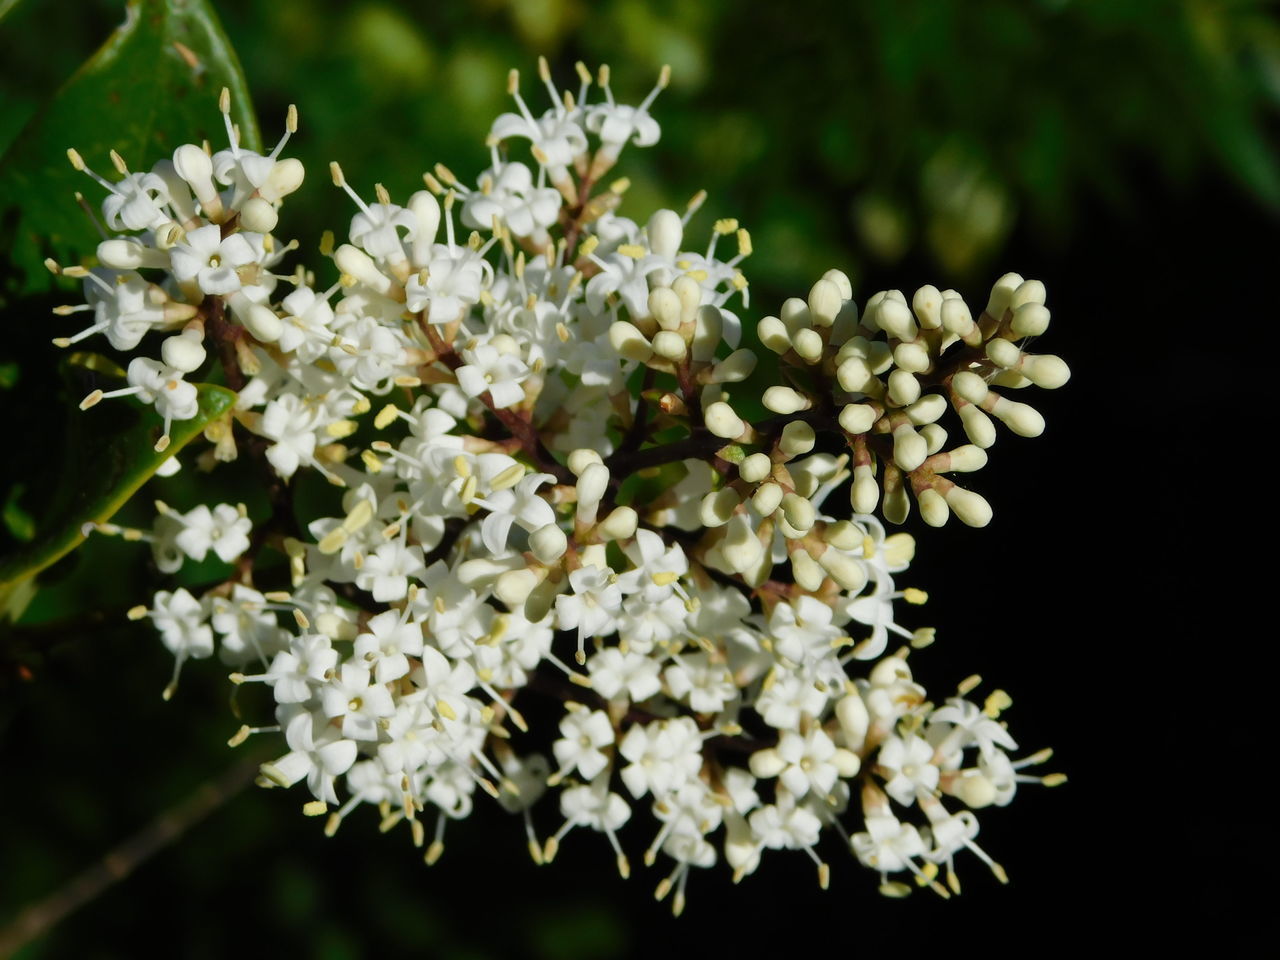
589	543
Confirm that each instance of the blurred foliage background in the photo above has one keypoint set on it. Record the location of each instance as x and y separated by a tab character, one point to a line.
1125	151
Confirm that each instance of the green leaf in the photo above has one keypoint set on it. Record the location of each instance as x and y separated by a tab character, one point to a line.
151	87
109	454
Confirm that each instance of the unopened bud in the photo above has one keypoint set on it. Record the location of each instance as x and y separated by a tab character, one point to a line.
582	458
669	345
664	306
904	388
755	467
1045	371
592	485
718	506
933	508
514	586
894	317
970	386
182	352
665	231
766	499
844	569
927	305
548	543
857	417
972	508
620	524
909	448
258	215
798	511
708	331
865	492
977	426
784	400
773	334
1021	418
1030	320
130	254
824	303
797	438
1002	295
734	368
808	572
723	422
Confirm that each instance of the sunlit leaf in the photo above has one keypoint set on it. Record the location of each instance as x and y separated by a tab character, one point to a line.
152	86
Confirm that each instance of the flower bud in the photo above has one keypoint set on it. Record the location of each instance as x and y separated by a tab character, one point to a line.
708	331
1029	291
977	426
909	448
904	388
741	548
689	292
807	572
934	436
426	210
970	386
797	438
723	422
844	569
183	352
127	253
666	232
718	506
1030	320
548	543
628	342
1045	370
841	280
808	343
824	303
933	508
1002	295
766	499
514	586
798	511
928	409
285	177
664	306
734	368
851	714
913	357
972	508
795	314
592	485
669	345
927	305
620	524
582	458
865	492
857	417
1003	353
773	334
755	467
957	319
259	320
784	400
893	316
258	215
966	459
356	263
1021	418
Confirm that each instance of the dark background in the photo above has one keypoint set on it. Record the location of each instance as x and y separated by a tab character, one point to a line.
1123	152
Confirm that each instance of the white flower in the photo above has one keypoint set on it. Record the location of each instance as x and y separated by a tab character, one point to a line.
212	262
316	753
488	369
388	644
592	607
907	764
582	734
223	530
613	671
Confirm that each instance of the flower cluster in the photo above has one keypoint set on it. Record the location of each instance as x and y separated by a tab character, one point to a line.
553	507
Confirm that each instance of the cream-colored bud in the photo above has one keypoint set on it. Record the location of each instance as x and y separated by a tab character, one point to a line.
904	388
194	166
865	492
889	671
548	543
755	467
928	409
734	368
844	535
897	505
129	254
808	572
261	321
967	459
857	417
620	524
690	293
846	323
426	210
969	386
933	508
183	352
669	345
798	511
766	499
628	342
927	306
824	303
1021	418
1002	295
1030	320
285	177
913	357
957	319
795	314
723	422
808	343
708	331
797	438
258	215
766	763
595	555
893	316
855	376
841	280
664	306
854	720
977	426
1029	291
717	507
909	448
1046	371
844	569
1003	353
592	486
666	232
773	334
972	508
784	400
935	436
514	586
741	548
582	458
356	263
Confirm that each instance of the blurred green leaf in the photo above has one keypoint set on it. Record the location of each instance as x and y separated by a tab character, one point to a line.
153	85
109	454
6	7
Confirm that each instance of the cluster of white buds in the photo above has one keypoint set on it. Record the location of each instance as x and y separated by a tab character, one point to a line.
522	529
